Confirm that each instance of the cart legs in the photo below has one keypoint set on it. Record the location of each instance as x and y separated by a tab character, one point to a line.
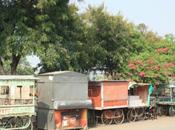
92	121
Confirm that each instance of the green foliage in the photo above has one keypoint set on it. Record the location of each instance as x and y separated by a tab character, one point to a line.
108	40
31	27
61	44
155	64
66	40
17	33
24	68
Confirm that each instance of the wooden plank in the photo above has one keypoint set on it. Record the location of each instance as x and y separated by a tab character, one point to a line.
115	94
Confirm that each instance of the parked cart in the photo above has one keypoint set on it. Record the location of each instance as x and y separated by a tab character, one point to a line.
108	100
166	99
117	101
139	100
62	101
17	102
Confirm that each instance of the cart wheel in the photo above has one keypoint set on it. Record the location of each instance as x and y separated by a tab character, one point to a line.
6	123
172	110
15	122
107	117
140	113
131	115
18	122
30	127
1	123
27	122
119	116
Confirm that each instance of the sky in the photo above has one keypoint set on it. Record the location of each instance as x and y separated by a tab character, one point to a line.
158	15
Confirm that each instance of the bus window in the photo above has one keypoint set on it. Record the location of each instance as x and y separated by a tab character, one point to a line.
4	90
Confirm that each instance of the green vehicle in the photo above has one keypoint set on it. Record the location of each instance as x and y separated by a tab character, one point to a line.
17	102
166	99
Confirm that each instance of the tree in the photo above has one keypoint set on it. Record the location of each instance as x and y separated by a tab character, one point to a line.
155	61
61	42
24	68
92	39
155	64
169	38
31	27
17	33
109	40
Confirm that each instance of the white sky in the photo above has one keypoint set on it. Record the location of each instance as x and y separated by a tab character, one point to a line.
158	15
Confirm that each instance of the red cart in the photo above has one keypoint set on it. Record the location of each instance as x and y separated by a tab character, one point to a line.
112	99
108	100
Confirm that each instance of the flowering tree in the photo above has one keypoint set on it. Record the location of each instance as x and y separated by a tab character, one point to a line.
154	64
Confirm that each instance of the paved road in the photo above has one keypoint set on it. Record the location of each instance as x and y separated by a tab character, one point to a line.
162	123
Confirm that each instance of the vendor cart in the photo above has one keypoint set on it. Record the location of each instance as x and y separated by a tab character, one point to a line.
62	101
17	102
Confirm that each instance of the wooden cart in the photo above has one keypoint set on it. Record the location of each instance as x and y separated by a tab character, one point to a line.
139	101
108	100
115	101
17	102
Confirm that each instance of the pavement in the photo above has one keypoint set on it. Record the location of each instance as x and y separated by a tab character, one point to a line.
162	123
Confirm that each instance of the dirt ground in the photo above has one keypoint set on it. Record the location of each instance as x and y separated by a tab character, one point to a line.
162	123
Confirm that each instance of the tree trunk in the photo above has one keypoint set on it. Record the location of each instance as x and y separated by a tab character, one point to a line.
1	67
14	64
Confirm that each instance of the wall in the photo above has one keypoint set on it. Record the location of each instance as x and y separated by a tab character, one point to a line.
142	92
115	93
94	93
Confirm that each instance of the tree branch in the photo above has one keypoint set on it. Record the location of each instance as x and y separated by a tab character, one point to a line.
14	64
2	72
